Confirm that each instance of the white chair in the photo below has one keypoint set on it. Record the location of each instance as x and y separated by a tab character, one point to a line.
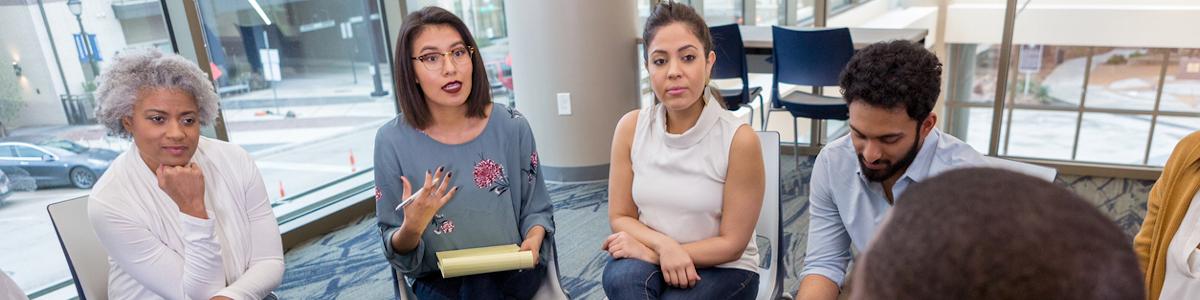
770	225
1044	173
551	289
86	257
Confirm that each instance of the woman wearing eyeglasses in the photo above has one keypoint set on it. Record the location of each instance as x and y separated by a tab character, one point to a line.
471	164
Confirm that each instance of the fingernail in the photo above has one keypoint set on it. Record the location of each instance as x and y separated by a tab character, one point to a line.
439	169
448	175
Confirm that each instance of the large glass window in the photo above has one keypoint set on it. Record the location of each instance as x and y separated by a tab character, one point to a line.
1123	78
717	12
767	12
1113	101
303	86
55	150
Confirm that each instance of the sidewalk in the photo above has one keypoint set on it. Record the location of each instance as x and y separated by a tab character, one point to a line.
335	87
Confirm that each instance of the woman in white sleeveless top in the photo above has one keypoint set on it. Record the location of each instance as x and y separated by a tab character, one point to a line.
686	181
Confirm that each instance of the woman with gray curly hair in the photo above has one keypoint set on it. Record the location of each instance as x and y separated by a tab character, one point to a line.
182	216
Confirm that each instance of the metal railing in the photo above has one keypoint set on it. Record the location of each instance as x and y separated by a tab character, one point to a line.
80	109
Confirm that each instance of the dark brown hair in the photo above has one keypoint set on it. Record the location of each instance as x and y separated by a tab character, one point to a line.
994	234
667	13
408	91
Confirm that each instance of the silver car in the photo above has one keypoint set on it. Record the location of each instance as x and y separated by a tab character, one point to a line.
56	163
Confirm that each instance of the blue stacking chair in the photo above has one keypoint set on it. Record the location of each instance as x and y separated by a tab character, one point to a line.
810	57
731	63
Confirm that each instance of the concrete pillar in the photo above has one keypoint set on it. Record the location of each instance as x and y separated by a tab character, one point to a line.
588	50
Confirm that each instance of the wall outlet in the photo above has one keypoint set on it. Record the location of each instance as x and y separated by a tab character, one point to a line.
564	104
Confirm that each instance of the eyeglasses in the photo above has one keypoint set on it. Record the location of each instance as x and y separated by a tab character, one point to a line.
458	56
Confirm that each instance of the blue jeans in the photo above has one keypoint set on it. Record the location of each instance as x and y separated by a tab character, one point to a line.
521	284
631	278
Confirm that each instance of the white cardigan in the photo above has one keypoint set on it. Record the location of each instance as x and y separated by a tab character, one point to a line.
156	252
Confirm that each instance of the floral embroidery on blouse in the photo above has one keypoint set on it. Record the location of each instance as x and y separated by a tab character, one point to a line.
442	224
531	173
490	175
514	114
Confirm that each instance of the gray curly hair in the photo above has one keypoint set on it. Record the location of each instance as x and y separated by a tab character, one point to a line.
135	71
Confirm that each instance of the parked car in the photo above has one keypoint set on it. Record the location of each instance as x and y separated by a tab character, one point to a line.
56	162
5	190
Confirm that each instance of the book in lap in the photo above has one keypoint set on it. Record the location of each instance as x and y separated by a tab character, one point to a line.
473	261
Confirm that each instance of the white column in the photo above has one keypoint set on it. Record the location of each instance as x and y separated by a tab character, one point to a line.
588	50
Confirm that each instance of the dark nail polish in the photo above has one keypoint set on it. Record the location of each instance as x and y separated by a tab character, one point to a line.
451	174
439	169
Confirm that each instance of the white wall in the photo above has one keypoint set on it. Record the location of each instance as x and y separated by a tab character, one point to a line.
38	85
586	48
26	39
1079	25
151	29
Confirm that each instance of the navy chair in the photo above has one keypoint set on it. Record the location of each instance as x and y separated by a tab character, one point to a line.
731	63
810	57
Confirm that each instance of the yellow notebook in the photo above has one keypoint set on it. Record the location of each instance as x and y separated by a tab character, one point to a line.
483	260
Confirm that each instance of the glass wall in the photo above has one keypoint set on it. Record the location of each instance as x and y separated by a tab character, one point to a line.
303	86
51	148
1073	94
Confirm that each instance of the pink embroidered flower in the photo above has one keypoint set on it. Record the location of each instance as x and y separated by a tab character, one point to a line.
487	172
442	224
490	175
446	227
378	194
513	113
531	173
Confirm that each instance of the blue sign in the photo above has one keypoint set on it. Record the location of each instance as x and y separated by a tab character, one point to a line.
83	54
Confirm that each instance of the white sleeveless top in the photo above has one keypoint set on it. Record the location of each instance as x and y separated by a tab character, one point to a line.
1183	259
679	179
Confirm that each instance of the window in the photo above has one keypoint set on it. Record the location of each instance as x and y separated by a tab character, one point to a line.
28	152
50	101
303	87
1109	105
7	152
717	12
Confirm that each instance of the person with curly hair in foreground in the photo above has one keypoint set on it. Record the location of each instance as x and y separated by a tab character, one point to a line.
992	234
891	88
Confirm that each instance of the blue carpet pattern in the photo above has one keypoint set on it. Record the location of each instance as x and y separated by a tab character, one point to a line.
348	263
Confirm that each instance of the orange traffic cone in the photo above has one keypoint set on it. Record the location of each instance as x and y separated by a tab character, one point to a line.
353	168
281	193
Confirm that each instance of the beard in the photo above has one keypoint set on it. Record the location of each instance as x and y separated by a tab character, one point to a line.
893	167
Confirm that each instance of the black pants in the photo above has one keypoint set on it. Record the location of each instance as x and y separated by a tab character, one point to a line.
520	284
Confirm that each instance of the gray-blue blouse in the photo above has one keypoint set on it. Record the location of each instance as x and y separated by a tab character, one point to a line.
501	194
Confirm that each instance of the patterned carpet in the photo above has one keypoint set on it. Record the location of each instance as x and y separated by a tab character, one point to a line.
348	264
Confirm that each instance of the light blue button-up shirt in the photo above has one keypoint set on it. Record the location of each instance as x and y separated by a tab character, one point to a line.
846	208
